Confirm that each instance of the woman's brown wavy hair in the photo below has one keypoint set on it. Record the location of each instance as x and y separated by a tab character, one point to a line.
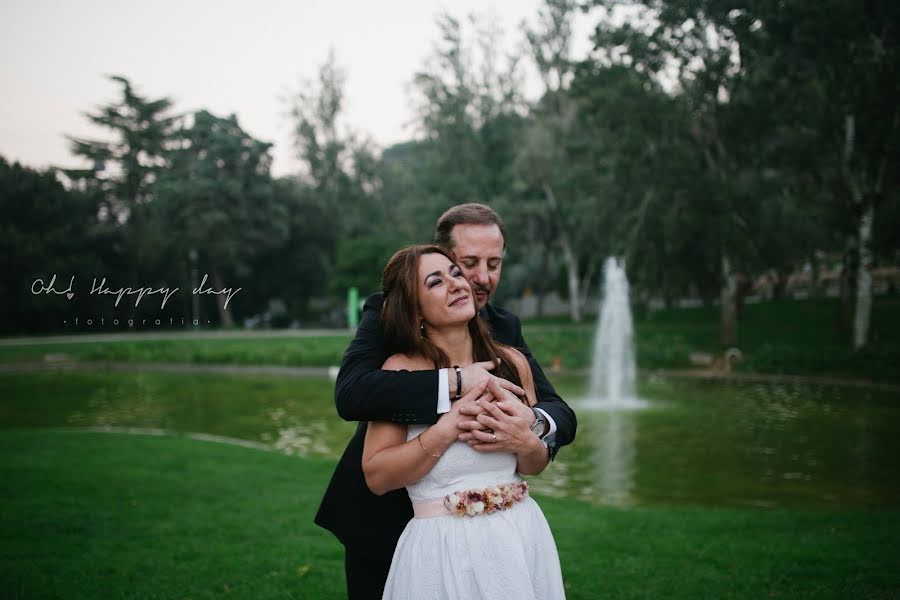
401	316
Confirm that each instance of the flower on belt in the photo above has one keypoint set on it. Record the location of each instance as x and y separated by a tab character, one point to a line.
469	503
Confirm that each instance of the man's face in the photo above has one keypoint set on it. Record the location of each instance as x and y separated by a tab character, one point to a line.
479	253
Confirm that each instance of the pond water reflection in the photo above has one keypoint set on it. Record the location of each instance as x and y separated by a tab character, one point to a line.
737	444
698	442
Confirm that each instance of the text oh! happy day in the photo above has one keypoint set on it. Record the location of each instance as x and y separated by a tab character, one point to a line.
102	288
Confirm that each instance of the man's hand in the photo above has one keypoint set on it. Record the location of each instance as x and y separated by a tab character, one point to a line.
494	392
505	431
477	373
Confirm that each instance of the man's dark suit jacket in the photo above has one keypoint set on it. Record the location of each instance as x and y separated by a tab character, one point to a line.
372	524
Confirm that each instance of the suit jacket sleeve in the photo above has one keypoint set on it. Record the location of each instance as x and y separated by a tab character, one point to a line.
548	400
363	392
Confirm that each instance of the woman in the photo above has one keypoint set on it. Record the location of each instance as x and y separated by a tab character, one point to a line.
476	532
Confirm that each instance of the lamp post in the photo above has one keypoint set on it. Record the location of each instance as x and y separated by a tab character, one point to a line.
195	302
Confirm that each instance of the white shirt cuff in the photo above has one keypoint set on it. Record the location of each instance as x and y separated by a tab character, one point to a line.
443	399
550	422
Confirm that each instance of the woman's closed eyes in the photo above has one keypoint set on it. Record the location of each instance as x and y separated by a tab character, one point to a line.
435	281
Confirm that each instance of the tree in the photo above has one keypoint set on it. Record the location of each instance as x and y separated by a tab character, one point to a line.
697	50
842	59
126	167
339	166
468	108
122	175
341	180
46	230
639	135
217	197
359	263
402	171
555	159
817	83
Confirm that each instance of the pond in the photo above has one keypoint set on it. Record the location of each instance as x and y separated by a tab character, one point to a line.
697	442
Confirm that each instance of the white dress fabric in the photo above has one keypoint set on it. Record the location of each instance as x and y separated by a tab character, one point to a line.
506	554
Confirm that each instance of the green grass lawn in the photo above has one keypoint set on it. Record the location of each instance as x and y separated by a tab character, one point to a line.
90	515
793	337
322	351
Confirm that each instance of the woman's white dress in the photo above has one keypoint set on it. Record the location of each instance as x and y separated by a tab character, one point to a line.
506	554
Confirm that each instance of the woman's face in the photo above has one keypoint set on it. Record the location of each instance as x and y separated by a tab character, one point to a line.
445	296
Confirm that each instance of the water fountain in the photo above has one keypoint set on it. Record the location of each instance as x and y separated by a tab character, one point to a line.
611	394
613	372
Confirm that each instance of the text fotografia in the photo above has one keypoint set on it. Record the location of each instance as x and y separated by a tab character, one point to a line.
171	321
101	288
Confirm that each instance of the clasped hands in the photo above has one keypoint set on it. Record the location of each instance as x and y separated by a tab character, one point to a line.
492	418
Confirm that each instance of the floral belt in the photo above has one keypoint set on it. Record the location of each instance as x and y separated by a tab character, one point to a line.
470	503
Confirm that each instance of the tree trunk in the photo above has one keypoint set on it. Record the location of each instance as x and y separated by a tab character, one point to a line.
224	311
865	198
781	280
847	286
668	299
544	264
638	225
741	290
814	288
862	210
568	256
863	309
572	276
587	282
728	323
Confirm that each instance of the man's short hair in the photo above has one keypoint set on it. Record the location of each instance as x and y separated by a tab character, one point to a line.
471	213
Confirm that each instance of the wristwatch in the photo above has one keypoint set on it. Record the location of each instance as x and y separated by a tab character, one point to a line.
539	422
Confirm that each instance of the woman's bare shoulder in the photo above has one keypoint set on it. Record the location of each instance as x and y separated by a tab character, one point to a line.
524	368
402	362
518	359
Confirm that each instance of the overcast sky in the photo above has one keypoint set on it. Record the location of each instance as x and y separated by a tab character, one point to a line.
224	56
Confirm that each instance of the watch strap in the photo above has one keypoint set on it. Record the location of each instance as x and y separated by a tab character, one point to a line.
539	422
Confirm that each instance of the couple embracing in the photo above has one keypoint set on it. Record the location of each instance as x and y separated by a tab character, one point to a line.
452	408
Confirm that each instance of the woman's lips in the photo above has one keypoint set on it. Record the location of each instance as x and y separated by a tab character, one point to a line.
460	301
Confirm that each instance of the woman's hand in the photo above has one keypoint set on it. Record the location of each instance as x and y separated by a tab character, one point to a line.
511	433
502	423
502	426
448	424
514	407
479	373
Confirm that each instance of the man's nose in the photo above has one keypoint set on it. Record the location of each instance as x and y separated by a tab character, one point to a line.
478	275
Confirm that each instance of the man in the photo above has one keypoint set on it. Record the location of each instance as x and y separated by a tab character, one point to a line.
369	525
